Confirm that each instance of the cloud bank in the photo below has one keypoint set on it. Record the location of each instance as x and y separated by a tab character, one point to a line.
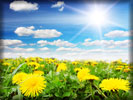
39	33
59	4
117	33
23	6
58	42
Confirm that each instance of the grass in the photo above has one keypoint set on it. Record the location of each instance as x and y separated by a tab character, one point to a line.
64	84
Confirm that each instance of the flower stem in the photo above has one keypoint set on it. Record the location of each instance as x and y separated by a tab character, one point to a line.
19	93
100	91
116	94
91	90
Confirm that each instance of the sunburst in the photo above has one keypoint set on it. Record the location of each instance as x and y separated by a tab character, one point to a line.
96	17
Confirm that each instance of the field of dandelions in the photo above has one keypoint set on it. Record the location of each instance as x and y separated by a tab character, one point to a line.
36	78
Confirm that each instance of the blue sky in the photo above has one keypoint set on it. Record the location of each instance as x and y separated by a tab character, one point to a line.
59	29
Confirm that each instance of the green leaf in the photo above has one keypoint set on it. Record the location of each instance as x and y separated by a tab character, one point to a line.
66	94
17	68
14	88
57	94
17	97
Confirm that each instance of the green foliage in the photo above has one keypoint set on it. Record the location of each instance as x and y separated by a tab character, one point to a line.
64	84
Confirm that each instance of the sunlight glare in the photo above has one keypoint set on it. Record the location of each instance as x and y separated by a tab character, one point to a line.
97	17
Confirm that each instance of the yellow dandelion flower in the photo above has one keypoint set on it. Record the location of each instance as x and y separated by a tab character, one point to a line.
1	60
19	77
33	85
77	69
131	67
118	68
92	77
33	59
126	66
27	60
42	66
75	62
34	64
111	66
83	74
119	61
114	84
6	64
40	59
61	66
39	72
13	68
127	70
94	63
56	64
50	61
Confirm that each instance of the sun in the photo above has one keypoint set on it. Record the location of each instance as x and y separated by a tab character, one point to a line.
97	17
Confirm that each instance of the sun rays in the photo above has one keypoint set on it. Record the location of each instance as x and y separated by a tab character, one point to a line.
96	17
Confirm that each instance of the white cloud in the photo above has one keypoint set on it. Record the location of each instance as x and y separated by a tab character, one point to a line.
108	43
93	54
68	49
2	47
23	54
61	9
86	51
40	33
61	43
32	44
17	49
47	33
42	42
59	4
125	43
98	42
41	26
88	39
24	31
96	56
58	42
71	54
23	6
31	27
117	33
44	49
9	42
104	51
